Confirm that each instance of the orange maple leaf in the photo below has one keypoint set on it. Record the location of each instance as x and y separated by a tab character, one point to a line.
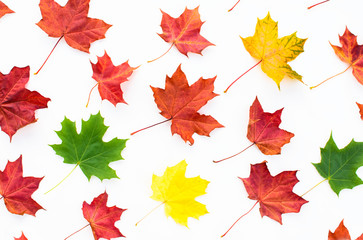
183	32
350	52
341	233
179	103
4	9
22	237
109	77
360	106
71	23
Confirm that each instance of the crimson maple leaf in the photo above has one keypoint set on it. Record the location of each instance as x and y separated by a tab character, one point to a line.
183	32
341	233
22	237
179	103
102	218
71	23
274	193
16	190
18	104
4	9
109	78
264	132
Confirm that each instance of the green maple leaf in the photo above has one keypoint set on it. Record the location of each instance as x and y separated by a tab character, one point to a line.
87	149
339	166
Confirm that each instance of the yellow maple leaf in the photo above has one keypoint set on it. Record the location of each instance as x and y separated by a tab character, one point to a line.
274	53
177	193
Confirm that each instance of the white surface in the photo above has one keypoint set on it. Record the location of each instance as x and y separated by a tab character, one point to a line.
310	115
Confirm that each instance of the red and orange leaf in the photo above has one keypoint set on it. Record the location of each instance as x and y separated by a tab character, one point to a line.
18	104
184	32
109	78
16	190
72	23
264	131
360	106
341	233
102	218
22	237
351	53
180	103
274	193
4	9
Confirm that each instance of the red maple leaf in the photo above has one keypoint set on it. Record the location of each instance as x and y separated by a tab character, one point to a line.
109	78
264	132
18	104
183	32
22	237
360	106
4	9
179	103
101	218
71	23
341	233
350	52
16	190
274	193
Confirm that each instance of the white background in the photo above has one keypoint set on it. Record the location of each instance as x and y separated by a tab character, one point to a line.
310	114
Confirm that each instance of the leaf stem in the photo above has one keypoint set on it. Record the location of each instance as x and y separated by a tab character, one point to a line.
63	179
49	54
313	187
234	5
318	4
217	161
330	78
240	218
150	213
167	120
77	231
242	76
89	95
161	55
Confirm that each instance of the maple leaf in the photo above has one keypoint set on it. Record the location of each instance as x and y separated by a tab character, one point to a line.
18	104
101	218
16	190
264	132
179	103
71	23
274	53
360	106
178	193
4	9
109	78
183	32
339	166
341	233
87	149
274	193
350	52
22	237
